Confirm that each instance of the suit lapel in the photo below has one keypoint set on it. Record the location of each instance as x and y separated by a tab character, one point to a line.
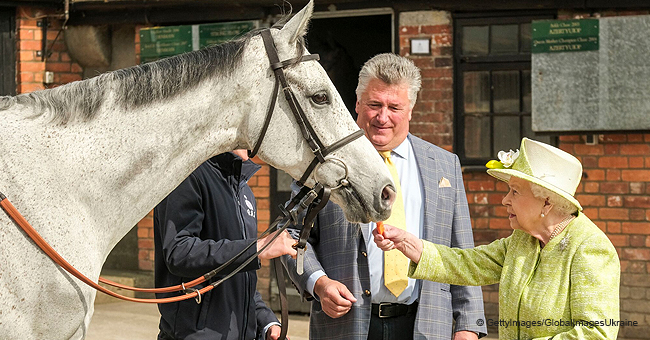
364	229
428	169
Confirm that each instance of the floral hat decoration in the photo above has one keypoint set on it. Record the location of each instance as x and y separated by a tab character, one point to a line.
542	164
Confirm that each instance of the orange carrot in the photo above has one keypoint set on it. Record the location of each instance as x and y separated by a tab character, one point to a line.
380	227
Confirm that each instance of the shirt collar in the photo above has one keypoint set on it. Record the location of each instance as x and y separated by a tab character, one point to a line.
402	150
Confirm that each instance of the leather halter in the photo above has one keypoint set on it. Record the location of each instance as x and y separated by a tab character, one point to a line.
319	150
317	147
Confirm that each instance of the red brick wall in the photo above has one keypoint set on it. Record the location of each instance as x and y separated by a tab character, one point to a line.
433	112
260	183
614	191
30	68
145	242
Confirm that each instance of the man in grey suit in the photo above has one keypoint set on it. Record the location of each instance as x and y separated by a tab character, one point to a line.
343	268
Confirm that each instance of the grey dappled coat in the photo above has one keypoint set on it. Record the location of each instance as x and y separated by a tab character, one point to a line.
337	247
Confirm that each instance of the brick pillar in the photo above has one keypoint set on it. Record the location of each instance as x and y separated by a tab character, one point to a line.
433	113
31	68
260	183
145	243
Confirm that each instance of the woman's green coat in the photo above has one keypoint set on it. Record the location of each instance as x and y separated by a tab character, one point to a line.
567	290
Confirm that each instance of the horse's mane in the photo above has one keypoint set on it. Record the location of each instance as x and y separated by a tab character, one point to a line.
139	85
135	86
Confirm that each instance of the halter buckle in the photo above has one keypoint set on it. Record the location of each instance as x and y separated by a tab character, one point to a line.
192	291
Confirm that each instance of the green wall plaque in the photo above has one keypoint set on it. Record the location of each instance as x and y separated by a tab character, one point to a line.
160	42
551	36
165	41
212	34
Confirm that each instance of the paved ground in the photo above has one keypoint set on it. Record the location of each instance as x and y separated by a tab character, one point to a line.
139	321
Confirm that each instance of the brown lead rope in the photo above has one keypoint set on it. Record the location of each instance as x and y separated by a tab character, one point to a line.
58	259
295	206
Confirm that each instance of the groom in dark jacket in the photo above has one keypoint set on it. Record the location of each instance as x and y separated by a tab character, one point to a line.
203	223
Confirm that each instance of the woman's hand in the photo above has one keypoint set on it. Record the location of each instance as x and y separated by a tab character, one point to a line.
402	240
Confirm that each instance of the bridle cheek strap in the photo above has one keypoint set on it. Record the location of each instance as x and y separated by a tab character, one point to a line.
351	137
315	144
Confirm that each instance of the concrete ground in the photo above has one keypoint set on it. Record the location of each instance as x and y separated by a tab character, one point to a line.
139	321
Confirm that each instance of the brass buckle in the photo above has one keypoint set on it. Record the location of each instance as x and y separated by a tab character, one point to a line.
380	309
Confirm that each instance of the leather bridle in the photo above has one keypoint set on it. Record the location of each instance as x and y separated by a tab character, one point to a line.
320	152
317	147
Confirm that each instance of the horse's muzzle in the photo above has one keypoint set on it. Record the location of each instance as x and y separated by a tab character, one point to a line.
387	197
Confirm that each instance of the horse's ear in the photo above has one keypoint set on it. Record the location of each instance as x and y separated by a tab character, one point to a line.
297	26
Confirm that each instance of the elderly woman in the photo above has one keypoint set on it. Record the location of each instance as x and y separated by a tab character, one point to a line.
558	272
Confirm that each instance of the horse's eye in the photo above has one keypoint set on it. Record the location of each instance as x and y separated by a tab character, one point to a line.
320	99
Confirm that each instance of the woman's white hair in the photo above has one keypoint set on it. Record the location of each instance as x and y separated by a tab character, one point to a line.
391	69
562	205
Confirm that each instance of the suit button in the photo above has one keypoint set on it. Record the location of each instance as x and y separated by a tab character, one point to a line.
366	292
364	254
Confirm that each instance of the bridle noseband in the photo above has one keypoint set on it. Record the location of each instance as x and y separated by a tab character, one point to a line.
319	150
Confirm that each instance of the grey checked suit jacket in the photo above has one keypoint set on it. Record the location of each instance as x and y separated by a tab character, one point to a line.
338	248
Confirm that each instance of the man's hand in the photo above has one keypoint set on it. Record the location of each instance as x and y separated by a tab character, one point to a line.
274	333
335	298
465	335
281	246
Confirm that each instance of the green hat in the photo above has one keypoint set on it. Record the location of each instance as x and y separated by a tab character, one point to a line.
542	164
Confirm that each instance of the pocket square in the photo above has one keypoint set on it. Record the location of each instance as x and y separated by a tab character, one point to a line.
444	183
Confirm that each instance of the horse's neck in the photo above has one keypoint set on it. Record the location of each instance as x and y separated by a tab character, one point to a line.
118	166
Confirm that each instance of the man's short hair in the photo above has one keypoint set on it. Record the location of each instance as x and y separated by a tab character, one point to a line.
391	69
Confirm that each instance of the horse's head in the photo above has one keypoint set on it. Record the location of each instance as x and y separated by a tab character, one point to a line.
370	193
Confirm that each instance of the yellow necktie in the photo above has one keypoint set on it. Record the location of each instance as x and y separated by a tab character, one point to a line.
395	263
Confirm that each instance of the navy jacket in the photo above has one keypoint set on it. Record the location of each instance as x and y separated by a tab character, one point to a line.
203	223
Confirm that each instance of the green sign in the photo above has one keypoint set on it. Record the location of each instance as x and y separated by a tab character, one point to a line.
551	36
213	34
160	42
165	41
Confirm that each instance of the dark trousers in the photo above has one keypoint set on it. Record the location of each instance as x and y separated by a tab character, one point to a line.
394	328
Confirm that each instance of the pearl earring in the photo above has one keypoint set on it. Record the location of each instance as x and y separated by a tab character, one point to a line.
542	215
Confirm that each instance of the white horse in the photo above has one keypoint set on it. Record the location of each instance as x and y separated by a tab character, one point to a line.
86	161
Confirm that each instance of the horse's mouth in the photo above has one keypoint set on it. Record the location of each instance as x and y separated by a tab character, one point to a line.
350	196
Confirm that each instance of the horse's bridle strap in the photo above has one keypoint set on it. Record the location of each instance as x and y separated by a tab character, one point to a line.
292	61
315	144
267	120
351	137
305	128
277	66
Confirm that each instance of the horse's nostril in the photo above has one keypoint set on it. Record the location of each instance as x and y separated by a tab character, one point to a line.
388	195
